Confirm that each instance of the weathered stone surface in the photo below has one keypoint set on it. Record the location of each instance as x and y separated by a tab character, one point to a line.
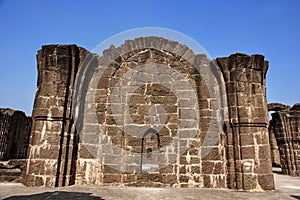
15	129
278	107
52	144
153	111
285	125
12	170
246	90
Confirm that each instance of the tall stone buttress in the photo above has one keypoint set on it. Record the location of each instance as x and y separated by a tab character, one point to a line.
52	143
248	149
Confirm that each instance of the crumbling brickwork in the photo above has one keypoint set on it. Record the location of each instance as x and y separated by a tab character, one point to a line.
15	129
285	124
177	110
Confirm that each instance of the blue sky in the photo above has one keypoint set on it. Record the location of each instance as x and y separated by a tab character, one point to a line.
271	28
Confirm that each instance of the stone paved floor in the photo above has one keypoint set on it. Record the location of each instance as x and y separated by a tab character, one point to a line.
286	188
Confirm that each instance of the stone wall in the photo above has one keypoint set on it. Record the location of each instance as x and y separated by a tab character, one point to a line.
149	113
120	160
15	129
12	170
285	124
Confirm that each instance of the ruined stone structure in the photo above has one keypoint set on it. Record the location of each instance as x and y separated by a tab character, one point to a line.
15	129
149	113
285	125
275	156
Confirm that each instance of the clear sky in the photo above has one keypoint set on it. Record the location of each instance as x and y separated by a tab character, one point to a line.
268	27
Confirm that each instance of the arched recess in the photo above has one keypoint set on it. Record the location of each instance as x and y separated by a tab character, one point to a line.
113	106
150	142
190	124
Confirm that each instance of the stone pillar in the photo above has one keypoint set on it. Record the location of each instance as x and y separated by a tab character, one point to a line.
14	134
249	159
283	136
53	135
287	131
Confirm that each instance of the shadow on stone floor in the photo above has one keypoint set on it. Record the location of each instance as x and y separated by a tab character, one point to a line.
56	195
296	197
